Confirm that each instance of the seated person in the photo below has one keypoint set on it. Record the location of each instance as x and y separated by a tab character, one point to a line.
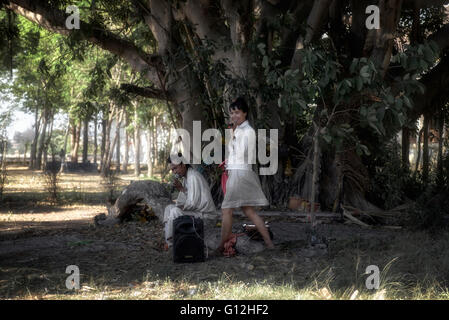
194	197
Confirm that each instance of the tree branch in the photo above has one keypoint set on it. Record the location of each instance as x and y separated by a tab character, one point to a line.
149	92
436	90
441	37
390	11
52	19
316	19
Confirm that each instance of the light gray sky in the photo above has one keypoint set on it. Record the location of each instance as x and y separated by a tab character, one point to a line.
20	121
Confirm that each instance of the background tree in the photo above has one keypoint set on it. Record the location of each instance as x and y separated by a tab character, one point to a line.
24	139
309	68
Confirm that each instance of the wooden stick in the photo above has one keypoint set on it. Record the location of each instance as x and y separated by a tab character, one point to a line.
355	220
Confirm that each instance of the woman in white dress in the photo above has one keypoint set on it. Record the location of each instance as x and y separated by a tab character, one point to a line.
243	188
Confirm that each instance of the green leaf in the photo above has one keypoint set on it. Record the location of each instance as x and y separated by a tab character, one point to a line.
420	49
353	65
364	71
407	102
421	87
399	104
380	113
423	64
433	45
261	47
327	138
359	83
413	64
390	99
324	112
265	62
365	149
363	111
401	118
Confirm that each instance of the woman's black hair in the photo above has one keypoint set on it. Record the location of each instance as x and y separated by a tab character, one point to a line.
240	104
180	156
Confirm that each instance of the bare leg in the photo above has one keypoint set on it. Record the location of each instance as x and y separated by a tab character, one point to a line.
260	225
226	226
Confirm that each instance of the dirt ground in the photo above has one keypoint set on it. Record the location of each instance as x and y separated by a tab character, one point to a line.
38	242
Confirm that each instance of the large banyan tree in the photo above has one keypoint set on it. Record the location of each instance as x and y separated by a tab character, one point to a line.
338	78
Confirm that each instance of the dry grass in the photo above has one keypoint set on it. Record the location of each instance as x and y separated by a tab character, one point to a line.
413	265
227	289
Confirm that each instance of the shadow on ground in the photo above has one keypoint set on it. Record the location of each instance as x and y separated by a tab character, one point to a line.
34	257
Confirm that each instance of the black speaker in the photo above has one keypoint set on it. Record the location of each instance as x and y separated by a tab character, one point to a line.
188	243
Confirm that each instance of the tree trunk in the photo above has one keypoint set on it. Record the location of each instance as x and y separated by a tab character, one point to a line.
64	149
103	142
107	138
110	146
136	143
126	159
85	139
418	146
35	139
47	144
117	146
25	154
76	132
440	177
425	155
41	141
315	176
405	147
95	138
149	154
154	140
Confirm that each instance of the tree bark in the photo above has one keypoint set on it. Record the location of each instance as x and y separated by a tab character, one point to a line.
405	147
85	139
149	153
425	156
95	138
64	148
111	146
42	140
47	144
440	177
315	174
390	11
75	139
25	154
136	143
418	146
117	145
103	142
154	140
109	116
126	158
35	139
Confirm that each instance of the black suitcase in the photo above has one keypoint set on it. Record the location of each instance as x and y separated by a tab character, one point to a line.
188	239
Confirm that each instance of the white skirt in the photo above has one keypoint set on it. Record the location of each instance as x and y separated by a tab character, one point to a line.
243	188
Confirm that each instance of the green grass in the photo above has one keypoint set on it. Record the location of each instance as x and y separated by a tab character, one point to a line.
228	289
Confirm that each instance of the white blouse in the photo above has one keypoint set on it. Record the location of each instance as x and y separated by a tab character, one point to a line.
198	197
242	148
